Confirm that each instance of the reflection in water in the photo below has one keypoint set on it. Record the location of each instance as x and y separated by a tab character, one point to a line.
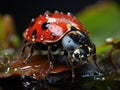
88	83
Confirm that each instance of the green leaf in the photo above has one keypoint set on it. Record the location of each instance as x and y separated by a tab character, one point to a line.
102	21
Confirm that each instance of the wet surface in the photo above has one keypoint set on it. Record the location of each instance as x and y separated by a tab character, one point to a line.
88	83
34	75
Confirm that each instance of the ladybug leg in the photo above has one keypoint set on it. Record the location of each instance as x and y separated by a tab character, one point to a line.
70	62
23	49
51	58
95	57
30	53
27	59
73	73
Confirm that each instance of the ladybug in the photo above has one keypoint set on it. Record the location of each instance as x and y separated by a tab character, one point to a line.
53	31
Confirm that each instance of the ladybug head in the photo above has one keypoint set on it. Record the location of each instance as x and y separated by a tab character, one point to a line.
82	54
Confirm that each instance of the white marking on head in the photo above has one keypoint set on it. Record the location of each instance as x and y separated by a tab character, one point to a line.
77	51
89	49
82	56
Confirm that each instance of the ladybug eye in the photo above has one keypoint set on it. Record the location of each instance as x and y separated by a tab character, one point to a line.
45	25
76	55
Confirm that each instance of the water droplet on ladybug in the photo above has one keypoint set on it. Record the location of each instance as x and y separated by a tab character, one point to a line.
70	14
39	22
41	38
61	12
28	37
33	39
34	35
40	15
32	22
47	13
25	34
56	12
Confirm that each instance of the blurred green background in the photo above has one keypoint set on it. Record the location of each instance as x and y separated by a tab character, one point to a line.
102	21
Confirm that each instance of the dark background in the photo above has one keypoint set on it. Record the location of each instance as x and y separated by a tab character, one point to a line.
23	10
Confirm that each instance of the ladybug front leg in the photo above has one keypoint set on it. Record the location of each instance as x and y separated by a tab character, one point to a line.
51	58
29	54
69	62
95	57
27	59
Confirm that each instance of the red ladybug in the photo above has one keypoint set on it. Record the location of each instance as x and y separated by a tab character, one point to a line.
55	31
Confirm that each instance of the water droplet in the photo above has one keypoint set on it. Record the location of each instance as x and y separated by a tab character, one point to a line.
61	12
39	22
56	12
15	69
47	13
41	38
34	76
33	38
109	40
8	69
70	14
26	84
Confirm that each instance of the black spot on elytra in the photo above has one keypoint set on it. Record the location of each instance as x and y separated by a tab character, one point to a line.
45	26
34	33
